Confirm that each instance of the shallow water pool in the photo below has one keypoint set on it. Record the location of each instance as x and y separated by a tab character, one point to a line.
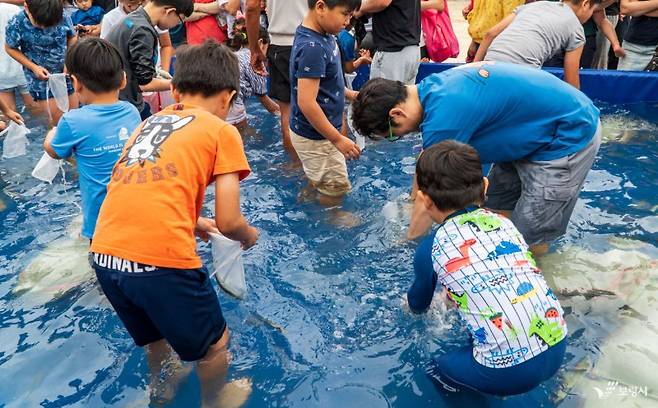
324	324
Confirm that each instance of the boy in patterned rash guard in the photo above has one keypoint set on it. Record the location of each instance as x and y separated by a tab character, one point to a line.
481	260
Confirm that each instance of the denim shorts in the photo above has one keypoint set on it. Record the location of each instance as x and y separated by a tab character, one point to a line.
541	194
179	305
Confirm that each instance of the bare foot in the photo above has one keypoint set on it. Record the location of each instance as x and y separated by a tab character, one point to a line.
235	393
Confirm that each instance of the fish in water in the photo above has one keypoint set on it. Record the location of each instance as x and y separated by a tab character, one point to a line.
62	265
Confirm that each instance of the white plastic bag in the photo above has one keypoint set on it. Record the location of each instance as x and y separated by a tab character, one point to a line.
349	78
47	168
227	265
57	86
15	142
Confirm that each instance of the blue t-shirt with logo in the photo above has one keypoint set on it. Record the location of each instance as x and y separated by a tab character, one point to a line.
95	134
506	112
315	55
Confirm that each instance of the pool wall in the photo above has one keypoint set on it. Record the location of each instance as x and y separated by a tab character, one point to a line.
618	87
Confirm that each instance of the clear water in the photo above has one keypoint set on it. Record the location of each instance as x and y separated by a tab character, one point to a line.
324	323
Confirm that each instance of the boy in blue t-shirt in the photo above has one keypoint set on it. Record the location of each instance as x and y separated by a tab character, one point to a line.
38	38
517	326
347	45
95	133
318	97
541	134
87	18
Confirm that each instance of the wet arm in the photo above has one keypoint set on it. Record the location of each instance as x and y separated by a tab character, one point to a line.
421	292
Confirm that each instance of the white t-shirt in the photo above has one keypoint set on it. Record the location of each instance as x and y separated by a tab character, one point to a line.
114	17
11	72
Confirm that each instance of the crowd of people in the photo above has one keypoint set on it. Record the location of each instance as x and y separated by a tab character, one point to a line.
144	168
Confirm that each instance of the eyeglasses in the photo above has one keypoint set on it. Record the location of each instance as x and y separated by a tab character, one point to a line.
391	137
182	20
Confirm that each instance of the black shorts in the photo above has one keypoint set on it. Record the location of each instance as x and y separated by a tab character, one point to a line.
179	305
278	58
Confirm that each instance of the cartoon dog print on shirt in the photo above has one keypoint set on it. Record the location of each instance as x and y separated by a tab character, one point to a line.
155	132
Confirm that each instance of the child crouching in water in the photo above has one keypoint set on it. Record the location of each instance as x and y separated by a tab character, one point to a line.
516	322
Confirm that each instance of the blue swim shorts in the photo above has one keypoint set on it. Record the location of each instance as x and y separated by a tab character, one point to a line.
179	305
458	369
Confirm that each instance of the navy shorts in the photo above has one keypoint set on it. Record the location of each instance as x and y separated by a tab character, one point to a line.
458	369
179	305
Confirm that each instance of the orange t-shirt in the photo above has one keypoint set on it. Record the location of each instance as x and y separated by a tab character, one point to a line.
158	186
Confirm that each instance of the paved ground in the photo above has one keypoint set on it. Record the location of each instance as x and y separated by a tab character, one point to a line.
460	26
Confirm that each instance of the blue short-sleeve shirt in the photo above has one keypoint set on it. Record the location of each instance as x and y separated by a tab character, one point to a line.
45	47
506	112
347	45
89	17
95	134
315	55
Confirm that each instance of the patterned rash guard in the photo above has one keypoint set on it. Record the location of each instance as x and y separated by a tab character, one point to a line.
488	272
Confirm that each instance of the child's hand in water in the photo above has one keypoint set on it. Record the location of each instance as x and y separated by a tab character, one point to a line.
349	149
41	73
204	226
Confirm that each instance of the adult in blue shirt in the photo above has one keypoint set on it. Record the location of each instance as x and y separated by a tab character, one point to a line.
541	134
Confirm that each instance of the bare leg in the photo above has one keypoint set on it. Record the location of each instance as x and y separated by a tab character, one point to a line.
539	250
28	101
285	130
212	371
8	99
166	372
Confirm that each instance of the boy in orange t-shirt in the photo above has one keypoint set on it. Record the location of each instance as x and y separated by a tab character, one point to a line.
144	250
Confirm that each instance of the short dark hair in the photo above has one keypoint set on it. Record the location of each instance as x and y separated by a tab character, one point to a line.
185	7
352	5
206	69
370	109
450	173
96	63
46	13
